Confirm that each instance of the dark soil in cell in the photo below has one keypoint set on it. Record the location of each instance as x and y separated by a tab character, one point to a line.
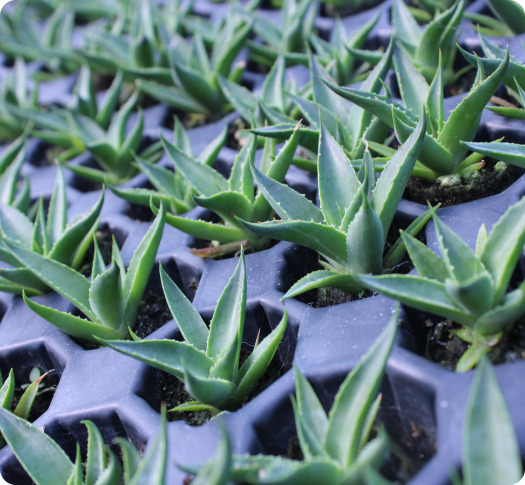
139	213
104	241
153	313
42	399
492	179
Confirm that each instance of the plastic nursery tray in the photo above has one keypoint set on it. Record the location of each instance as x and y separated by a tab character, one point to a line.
423	403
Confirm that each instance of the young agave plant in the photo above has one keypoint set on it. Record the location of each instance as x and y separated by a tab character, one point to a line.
47	464
196	86
227	197
297	21
337	448
110	301
52	240
350	229
26	401
348	125
208	361
491	452
424	47
469	287
443	152
15	92
171	187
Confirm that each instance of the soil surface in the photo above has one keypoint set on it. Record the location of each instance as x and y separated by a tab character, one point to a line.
173	392
492	179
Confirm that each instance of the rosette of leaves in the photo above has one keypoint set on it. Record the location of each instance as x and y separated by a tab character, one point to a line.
468	287
227	197
47	464
110	301
491	451
443	151
208	360
171	187
337	447
51	239
290	37
424	47
26	401
350	229
21	35
15	91
349	125
195	87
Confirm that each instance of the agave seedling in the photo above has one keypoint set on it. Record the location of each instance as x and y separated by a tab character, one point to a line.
443	152
110	301
15	91
171	187
208	361
424	47
51	239
297	24
350	229
469	287
47	464
26	401
491	451
337	448
227	197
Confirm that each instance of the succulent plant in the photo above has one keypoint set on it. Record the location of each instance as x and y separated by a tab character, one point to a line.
227	197
350	229
337	448
468	287
491	452
509	21
171	187
16	91
26	401
443	151
47	464
51	239
425	48
208	361
110	301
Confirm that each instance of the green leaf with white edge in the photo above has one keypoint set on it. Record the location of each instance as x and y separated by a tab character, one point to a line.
229	52
475	296
7	391
167	355
181	139
365	241
255	366
130	457
24	406
15	225
227	203
324	279
194	406
188	319
227	323
506	152
413	86
208	390
286	202
77	475
206	180
405	26
464	120
310	445
308	138
64	280
118	126
502	317
314	112
40	243
241	179
35	450
338	182
427	262
15	151
57	212
130	145
504	246
198	88
491	452
152	469
462	263
242	100
96	454
161	178
110	101
435	102
107	300
355	398
326	240
10	176
94	174
112	475
208	156
172	96
226	365
392	183
509	12
420	293
72	325
272	90
142	262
